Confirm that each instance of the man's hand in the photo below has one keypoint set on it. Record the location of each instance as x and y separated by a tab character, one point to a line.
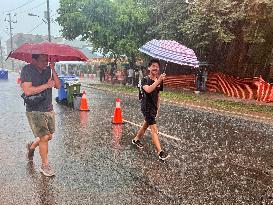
50	83
52	65
54	76
162	77
150	88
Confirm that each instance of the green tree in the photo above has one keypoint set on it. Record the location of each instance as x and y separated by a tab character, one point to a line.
89	19
132	23
235	35
115	26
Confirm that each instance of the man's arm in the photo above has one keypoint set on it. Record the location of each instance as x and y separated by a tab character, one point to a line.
54	75
28	89
150	88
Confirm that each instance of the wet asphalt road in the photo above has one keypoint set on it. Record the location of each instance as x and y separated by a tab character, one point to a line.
216	159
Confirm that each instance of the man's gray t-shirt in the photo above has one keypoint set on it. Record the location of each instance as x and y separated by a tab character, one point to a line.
31	74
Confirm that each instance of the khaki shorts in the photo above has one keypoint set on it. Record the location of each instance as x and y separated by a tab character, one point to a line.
41	123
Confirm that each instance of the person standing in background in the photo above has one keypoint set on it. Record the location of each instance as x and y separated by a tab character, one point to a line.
130	76
198	79
205	78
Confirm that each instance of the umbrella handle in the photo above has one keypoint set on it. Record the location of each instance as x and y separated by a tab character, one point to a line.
164	70
51	74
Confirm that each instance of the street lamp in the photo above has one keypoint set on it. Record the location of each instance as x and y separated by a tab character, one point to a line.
31	14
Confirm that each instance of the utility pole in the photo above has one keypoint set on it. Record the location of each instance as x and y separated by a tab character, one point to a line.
48	20
2	64
11	36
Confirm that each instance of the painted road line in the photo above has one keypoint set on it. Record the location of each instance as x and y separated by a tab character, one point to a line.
191	106
160	133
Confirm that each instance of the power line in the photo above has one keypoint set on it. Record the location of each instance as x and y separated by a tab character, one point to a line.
21	6
54	14
36	27
27	10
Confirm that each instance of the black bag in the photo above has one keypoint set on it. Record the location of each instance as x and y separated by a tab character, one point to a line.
33	100
141	92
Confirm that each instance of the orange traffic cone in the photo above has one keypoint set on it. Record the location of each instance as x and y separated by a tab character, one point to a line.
84	104
117	119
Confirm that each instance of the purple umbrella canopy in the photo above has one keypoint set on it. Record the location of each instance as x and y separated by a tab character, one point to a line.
170	51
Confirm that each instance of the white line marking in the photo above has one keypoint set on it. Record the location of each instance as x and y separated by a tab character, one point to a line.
161	133
188	105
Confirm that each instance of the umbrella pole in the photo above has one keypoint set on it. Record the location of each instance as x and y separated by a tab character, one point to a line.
164	70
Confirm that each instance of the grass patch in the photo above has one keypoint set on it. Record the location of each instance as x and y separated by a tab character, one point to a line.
190	97
239	106
179	96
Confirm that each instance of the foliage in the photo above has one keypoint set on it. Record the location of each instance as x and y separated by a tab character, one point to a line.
235	35
89	19
114	26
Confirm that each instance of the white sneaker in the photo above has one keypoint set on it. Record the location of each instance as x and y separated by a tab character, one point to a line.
47	170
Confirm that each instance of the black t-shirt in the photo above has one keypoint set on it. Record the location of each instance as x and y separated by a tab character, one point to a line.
30	74
149	100
199	75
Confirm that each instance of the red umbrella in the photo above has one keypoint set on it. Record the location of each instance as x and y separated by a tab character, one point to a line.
56	52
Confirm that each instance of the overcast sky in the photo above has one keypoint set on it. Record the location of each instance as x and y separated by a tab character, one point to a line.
26	23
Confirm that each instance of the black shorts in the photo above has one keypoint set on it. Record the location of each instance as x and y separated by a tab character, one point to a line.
149	115
150	119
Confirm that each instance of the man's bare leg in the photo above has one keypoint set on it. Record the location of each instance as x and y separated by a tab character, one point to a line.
155	137
141	131
36	142
161	154
139	135
43	149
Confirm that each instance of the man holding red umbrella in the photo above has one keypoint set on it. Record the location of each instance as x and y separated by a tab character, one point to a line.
37	82
38	79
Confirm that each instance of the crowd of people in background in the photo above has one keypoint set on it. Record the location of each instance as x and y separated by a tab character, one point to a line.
127	75
131	76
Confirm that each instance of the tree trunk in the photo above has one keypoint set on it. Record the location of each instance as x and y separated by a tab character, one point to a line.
232	58
237	54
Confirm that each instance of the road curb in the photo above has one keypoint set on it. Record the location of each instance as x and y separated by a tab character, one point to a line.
238	114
